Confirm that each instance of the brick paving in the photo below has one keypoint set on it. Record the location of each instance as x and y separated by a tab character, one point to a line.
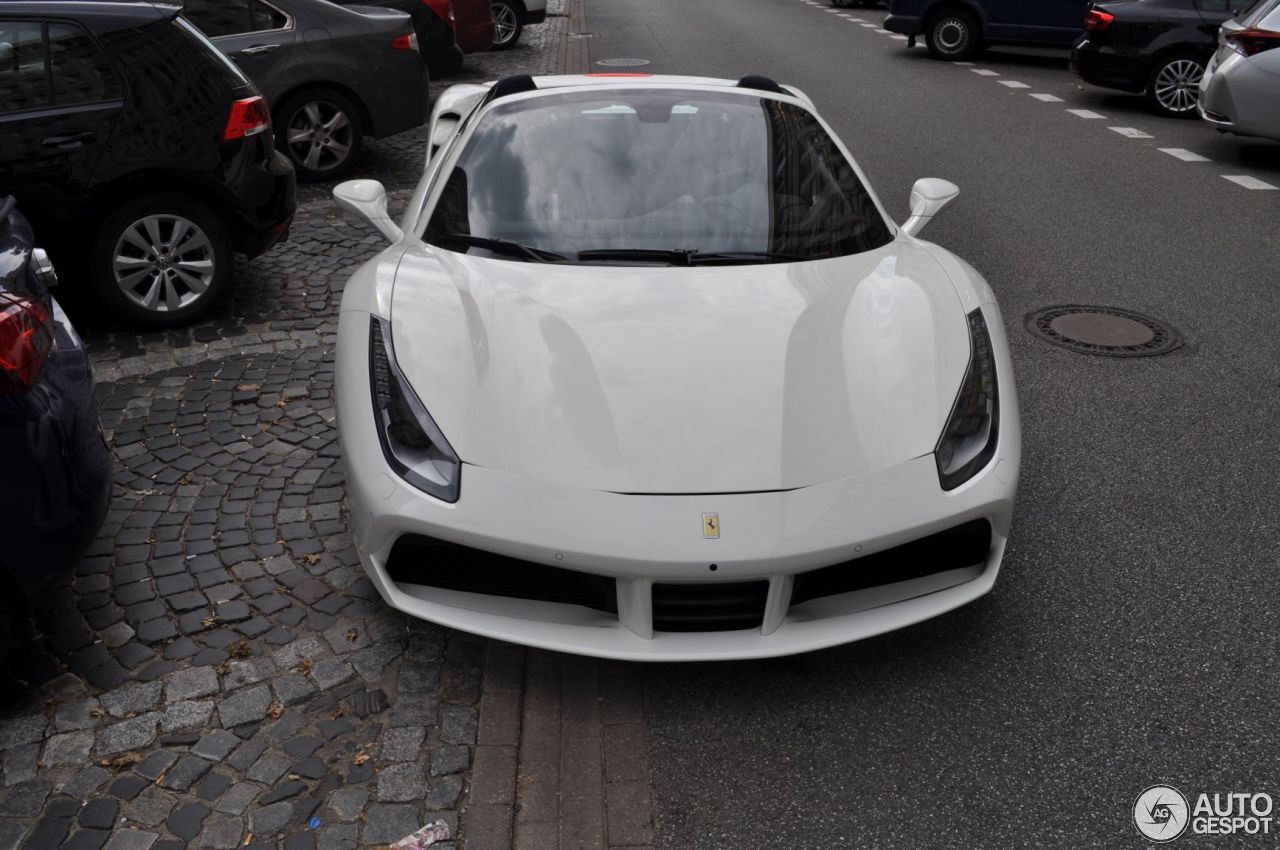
220	673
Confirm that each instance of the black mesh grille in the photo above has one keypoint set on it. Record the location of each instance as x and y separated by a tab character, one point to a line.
721	607
438	563
962	546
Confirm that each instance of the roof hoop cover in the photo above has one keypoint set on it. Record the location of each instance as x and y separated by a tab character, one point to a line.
513	84
760	83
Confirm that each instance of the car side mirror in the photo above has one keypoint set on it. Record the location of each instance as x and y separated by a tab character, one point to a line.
368	199
928	196
441	131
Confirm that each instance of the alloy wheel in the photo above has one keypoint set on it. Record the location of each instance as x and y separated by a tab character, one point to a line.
319	136
1177	85
163	262
504	24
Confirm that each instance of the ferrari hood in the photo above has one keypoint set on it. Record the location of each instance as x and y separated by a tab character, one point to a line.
638	379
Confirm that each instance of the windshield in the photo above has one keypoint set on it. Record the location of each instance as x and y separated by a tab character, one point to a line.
652	176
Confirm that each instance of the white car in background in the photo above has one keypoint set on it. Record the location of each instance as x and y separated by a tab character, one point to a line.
510	17
647	373
1240	89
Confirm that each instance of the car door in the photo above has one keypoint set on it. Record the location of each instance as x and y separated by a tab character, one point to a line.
1053	21
1000	18
59	100
257	35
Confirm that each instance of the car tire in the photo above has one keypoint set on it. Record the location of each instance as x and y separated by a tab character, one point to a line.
160	260
507	26
321	132
953	35
1173	86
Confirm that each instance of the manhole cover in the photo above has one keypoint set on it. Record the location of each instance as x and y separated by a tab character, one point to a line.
623	63
1105	331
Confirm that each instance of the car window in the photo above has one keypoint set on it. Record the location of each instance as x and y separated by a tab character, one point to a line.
221	17
81	74
1224	6
268	17
657	170
24	79
1256	11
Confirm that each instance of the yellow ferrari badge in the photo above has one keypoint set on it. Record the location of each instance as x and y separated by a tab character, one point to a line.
711	526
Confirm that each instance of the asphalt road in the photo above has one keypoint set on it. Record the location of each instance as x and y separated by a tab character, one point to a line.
1131	639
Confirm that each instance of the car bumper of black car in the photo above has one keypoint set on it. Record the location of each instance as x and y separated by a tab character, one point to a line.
265	222
1100	65
905	24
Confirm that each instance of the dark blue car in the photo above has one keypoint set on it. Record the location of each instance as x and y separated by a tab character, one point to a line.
958	29
55	468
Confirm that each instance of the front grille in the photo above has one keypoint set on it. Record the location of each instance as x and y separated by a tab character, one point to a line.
438	563
962	546
722	607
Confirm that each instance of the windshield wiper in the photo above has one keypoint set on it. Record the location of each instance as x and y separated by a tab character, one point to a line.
504	246
689	257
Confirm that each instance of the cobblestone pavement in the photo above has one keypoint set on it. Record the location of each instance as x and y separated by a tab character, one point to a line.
219	672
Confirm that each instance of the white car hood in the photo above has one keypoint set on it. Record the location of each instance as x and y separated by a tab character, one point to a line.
637	379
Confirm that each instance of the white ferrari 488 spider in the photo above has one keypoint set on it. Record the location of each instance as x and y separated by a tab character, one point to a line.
647	373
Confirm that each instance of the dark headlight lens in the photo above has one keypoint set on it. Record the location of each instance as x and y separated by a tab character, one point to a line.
969	440
411	442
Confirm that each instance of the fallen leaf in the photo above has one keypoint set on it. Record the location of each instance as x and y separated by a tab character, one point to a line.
276	710
121	761
352	634
295	776
337	712
310	560
361	758
240	649
223	669
97	712
210	621
305	665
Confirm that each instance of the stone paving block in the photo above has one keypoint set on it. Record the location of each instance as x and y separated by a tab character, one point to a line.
85	783
402	743
190	684
156	764
185	773
244	706
19	764
270	820
391	822
499	721
399	783
580	769
131	839
149	808
76	715
628	812
22	730
131	734
624	753
237	799
443	792
338	837
99	814
582	824
292	688
268	769
247	672
133	698
493	776
458	724
190	714
186	820
489	827
216	745
222	832
347	803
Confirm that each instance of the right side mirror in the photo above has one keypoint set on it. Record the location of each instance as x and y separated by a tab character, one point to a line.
928	196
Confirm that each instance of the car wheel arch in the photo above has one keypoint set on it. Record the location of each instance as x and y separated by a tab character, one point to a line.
521	11
941	7
320	86
1181	49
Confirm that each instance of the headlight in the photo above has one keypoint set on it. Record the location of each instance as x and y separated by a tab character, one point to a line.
411	442
969	440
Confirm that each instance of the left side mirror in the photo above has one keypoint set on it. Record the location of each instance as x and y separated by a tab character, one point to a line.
368	199
928	196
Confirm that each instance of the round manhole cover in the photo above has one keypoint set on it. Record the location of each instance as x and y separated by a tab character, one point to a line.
1105	331
623	63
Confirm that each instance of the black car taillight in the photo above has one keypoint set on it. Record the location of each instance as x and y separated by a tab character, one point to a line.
26	335
1252	41
1096	19
249	117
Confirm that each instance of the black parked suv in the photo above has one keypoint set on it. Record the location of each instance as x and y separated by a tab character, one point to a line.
1157	47
141	154
958	29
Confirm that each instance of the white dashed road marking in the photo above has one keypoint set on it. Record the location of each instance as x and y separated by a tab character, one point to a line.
1248	182
983	72
1014	84
883	32
898	37
1131	132
1048	98
869	26
1085	113
963	64
1183	154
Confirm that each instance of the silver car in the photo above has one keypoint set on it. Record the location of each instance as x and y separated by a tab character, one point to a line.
1240	89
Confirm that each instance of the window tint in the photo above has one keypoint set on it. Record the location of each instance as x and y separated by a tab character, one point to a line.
1256	11
80	71
221	17
657	170
266	17
24	80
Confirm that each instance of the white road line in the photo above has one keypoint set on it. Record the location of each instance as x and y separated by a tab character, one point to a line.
1131	132
1085	113
963	64
883	32
1183	154
898	37
853	19
1047	98
983	72
1248	182
869	26
1013	84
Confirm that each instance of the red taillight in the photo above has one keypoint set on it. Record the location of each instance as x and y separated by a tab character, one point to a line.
1096	19
408	41
26	335
249	117
1252	41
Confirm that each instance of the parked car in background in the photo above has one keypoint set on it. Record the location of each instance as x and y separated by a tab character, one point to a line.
510	17
56	465
1155	47
332	76
473	25
1240	90
141	155
958	29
